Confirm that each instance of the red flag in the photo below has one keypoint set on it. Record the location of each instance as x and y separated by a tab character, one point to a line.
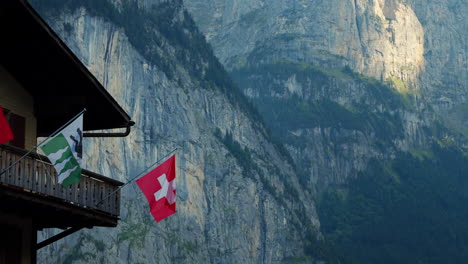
159	188
5	130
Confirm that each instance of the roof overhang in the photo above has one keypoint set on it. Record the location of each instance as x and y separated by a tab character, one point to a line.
59	83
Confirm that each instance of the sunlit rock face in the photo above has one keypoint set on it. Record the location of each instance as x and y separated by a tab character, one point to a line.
415	47
407	43
391	42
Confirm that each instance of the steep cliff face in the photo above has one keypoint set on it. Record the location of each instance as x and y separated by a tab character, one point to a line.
399	43
238	199
445	53
359	91
413	44
332	121
238	193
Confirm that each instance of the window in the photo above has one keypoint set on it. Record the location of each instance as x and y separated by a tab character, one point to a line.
18	127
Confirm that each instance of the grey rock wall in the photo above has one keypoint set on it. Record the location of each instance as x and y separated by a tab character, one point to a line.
414	44
225	214
416	47
347	121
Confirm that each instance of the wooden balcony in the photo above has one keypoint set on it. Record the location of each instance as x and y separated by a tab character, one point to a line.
30	189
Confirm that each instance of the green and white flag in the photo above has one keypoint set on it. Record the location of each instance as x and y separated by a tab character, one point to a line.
65	151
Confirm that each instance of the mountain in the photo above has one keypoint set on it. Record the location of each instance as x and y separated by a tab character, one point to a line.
336	135
417	45
358	90
239	199
359	79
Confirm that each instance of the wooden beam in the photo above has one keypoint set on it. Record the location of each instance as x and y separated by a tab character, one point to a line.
58	237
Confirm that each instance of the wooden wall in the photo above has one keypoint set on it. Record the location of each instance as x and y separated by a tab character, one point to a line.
20	102
18	240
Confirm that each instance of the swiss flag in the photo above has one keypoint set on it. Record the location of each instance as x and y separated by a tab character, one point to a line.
159	188
5	130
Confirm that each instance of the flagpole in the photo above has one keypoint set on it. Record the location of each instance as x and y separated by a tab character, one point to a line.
131	180
51	135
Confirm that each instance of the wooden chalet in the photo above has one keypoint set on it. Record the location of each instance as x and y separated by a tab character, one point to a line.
42	85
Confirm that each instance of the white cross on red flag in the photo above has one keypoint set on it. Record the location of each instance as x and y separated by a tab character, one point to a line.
159	188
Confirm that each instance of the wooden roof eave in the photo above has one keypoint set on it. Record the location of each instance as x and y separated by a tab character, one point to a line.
60	84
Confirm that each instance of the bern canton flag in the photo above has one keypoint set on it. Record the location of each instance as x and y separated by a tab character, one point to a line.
65	151
159	188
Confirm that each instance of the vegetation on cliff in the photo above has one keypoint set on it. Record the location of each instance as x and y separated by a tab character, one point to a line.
410	210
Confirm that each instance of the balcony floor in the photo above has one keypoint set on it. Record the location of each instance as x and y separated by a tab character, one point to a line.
50	212
29	189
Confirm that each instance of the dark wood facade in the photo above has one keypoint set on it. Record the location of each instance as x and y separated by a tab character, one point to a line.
49	85
59	83
31	199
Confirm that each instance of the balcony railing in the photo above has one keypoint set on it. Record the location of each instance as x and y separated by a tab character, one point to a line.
34	174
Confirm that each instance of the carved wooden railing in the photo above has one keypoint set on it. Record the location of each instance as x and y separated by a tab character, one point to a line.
35	174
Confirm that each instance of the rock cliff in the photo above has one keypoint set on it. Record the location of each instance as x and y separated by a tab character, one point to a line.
239	199
341	84
369	97
413	44
286	53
